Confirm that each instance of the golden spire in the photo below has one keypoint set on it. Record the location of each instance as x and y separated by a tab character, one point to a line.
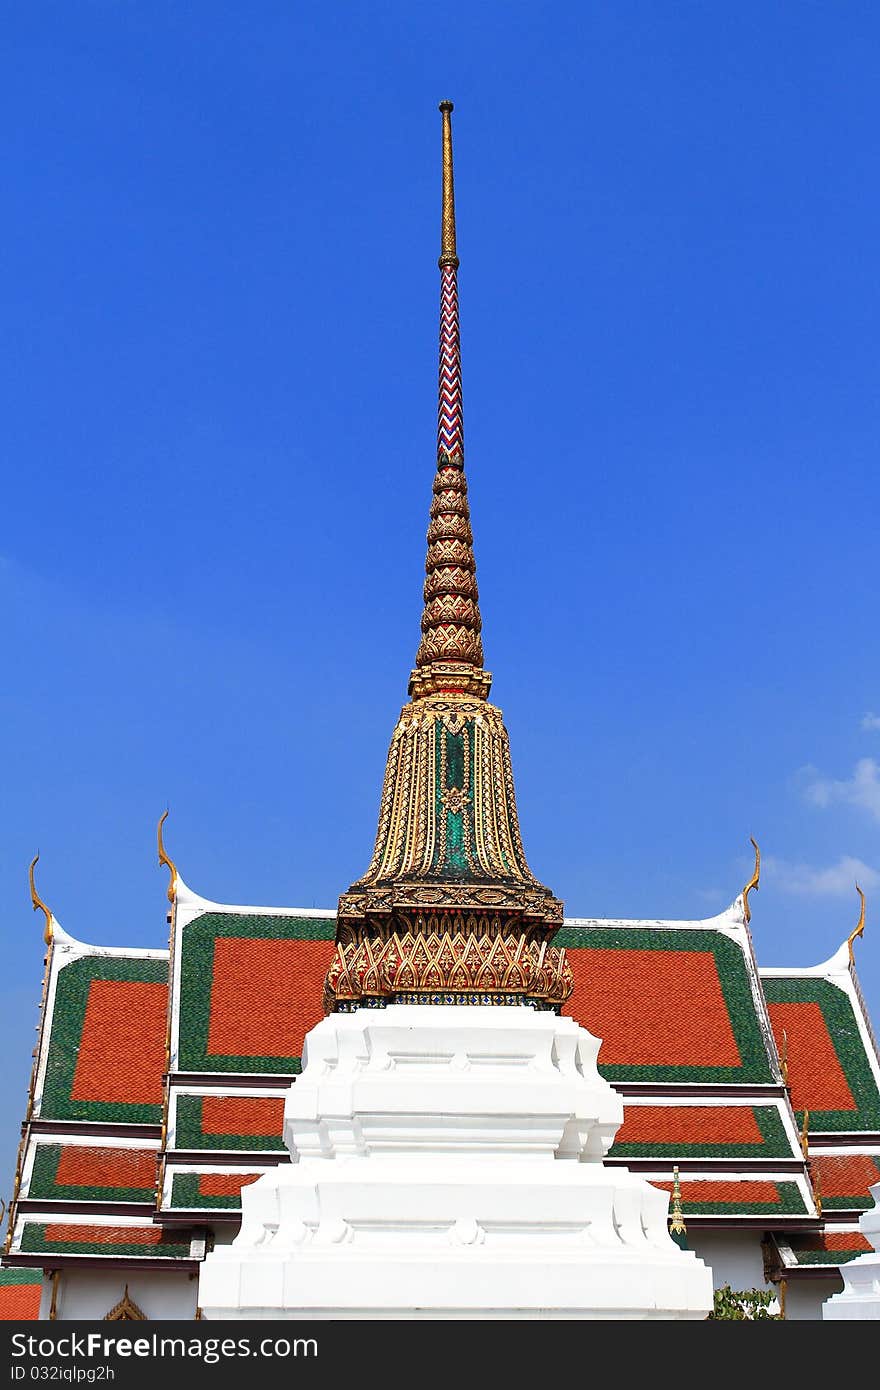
448	906
38	903
860	928
450	656
676	1224
447	236
754	882
163	857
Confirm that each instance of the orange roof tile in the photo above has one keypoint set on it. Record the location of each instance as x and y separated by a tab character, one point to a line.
83	1166
815	1075
653	1007
844	1240
266	994
224	1184
845	1175
689	1124
19	1302
122	1050
20	1291
65	1232
735	1194
257	1115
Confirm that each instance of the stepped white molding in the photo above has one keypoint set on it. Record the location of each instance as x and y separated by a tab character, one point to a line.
448	1163
860	1298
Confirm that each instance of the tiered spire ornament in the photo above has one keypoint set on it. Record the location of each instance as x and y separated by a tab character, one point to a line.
448	910
450	657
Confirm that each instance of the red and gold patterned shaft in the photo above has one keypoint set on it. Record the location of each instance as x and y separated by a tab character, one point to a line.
450	657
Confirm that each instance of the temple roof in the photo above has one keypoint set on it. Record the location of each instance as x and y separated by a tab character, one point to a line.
672	1001
20	1291
832	1060
247	985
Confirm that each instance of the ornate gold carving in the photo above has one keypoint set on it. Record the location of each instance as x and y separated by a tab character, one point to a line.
452	953
163	857
804	1136
753	883
448	677
676	1224
859	929
783	1057
53	1306
447	237
451	579
37	901
126	1310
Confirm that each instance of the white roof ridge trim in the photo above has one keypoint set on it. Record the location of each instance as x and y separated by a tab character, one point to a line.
68	944
838	964
188	899
731	916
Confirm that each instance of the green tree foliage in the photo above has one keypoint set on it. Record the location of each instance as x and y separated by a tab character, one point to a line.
741	1305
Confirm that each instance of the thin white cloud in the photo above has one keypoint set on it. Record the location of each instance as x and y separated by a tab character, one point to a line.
871	721
862	789
836	881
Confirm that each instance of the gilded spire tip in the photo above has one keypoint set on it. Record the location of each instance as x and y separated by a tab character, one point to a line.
753	883
163	857
859	929
37	901
447	237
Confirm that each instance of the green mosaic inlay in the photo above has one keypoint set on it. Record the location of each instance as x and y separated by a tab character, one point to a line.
68	1016
35	1242
43	1183
790	1203
843	1029
774	1143
197	972
735	988
20	1276
827	1257
185	1196
190	1132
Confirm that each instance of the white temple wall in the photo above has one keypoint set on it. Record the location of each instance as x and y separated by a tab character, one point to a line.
805	1297
89	1294
733	1256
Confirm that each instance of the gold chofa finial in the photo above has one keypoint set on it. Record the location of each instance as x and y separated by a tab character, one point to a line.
447	237
754	882
676	1225
38	903
817	1188
163	857
860	929
805	1135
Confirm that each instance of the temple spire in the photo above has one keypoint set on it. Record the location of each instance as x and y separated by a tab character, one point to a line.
450	657
448	910
447	237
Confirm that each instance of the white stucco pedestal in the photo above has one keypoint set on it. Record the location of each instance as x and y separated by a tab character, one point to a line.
448	1163
861	1277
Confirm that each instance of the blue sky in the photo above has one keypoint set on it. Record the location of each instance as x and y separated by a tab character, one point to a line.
220	298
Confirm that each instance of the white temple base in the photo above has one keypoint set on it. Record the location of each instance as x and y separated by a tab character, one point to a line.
860	1298
448	1164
